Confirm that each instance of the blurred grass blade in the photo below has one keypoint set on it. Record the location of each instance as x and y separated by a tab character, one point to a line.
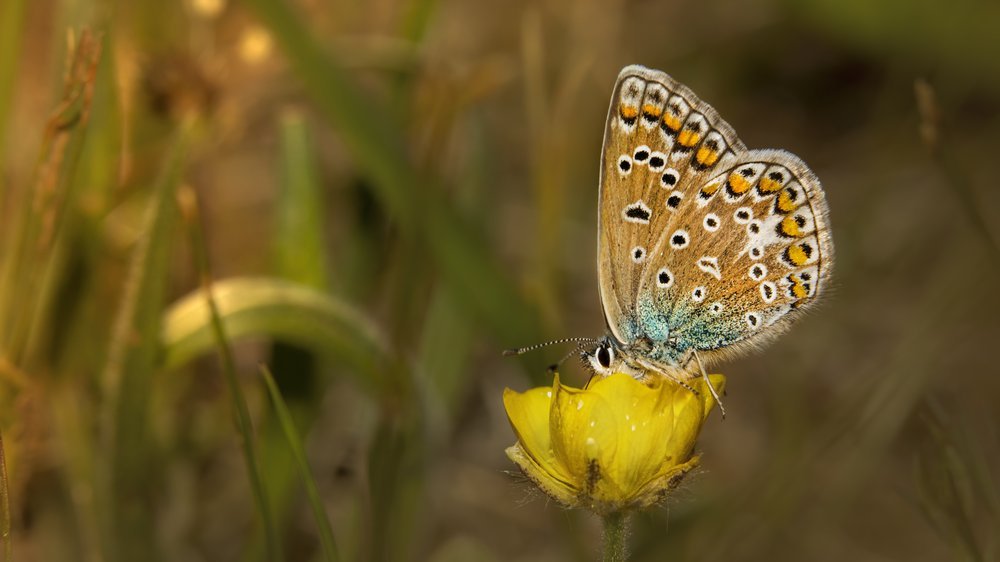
397	472
100	169
295	444
6	542
132	359
939	478
281	310
949	494
954	173
30	261
418	16
445	348
11	28
420	208
241	412
299	253
366	129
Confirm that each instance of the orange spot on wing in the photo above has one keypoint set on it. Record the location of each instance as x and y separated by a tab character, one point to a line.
790	228
738	183
629	111
767	185
710	189
672	122
785	203
706	156
796	255
688	138
651	110
798	287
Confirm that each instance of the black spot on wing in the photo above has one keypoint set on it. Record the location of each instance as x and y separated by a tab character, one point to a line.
638	213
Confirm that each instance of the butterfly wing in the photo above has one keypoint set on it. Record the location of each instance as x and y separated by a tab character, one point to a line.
702	242
660	141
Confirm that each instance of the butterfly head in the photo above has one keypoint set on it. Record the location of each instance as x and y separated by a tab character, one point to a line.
608	357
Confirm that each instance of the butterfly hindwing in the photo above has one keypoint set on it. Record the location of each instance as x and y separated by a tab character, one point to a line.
758	253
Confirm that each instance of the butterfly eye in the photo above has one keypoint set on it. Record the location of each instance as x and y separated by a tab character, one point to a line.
605	355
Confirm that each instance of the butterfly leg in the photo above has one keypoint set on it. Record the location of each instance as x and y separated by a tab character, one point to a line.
711	387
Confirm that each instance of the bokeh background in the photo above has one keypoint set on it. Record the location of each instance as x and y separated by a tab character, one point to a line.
384	195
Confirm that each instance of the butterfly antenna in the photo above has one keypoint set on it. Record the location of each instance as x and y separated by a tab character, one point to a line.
520	350
711	387
554	368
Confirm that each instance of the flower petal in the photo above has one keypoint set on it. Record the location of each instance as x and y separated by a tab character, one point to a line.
528	413
642	418
582	431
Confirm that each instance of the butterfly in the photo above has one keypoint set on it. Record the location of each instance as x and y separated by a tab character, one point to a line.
705	248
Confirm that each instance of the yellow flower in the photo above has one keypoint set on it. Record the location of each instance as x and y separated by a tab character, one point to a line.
616	444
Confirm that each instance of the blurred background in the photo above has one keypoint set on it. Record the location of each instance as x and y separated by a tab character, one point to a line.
384	195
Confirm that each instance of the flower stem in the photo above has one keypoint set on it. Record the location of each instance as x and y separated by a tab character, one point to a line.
615	536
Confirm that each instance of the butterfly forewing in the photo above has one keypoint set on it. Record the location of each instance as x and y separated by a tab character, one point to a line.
701	241
660	143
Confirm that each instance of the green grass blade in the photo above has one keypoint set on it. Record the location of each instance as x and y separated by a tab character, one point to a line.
131	362
295	444
300	255
417	19
367	129
267	307
397	469
445	349
33	259
241	412
299	252
6	544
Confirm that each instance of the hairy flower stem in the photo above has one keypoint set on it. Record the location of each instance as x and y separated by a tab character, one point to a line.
615	536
